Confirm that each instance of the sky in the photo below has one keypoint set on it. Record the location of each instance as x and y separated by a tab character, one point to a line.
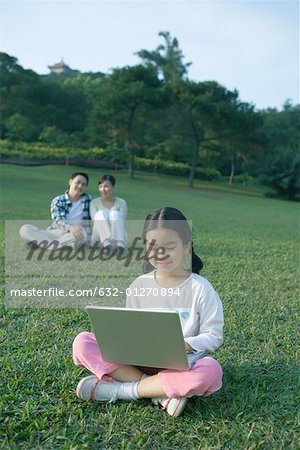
251	46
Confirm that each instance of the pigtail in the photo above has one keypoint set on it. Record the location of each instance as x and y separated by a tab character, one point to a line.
147	267
197	264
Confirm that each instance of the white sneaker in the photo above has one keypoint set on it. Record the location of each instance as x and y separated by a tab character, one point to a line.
91	388
173	406
86	390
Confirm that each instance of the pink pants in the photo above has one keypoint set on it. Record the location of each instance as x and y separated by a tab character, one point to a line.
204	378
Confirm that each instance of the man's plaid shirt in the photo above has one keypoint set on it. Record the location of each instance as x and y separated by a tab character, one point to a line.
61	205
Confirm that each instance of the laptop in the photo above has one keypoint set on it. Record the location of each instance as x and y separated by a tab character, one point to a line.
139	337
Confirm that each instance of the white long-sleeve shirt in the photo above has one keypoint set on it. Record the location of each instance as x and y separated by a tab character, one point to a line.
119	205
198	304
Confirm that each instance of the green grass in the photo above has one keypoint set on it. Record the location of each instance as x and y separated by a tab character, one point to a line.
250	249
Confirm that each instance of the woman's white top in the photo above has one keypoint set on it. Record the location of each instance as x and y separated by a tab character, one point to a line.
119	205
198	305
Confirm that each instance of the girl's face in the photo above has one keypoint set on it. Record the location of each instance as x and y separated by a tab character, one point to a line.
166	251
106	189
77	186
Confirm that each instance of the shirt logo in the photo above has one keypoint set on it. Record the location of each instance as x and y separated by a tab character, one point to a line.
185	315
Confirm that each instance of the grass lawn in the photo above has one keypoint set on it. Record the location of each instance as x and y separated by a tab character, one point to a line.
249	245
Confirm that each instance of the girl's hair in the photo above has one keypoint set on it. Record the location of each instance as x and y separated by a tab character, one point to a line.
107	177
82	174
173	219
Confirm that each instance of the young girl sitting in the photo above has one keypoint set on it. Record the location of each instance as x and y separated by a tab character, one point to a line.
168	240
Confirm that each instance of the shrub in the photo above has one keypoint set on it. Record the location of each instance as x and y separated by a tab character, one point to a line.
244	179
207	173
283	175
175	168
46	152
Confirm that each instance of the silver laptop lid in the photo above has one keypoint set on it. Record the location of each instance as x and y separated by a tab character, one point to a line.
150	338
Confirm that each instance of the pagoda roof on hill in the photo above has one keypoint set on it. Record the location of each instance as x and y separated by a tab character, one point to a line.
59	65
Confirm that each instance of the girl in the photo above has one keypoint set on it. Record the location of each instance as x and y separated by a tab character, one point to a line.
108	213
167	236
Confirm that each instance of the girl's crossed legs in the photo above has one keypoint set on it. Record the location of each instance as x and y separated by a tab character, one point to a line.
203	379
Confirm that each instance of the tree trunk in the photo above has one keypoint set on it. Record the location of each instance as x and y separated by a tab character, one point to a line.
232	172
195	156
19	146
192	171
131	163
128	145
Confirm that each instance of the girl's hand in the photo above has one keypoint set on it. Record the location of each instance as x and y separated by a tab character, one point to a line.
188	347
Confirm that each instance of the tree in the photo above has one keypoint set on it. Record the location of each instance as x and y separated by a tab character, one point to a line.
167	59
17	86
20	128
280	163
283	174
210	111
243	141
54	136
119	104
62	105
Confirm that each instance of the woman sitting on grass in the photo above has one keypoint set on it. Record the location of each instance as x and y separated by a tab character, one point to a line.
108	213
71	215
166	231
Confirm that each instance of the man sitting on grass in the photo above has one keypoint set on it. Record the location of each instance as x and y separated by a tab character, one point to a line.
70	214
